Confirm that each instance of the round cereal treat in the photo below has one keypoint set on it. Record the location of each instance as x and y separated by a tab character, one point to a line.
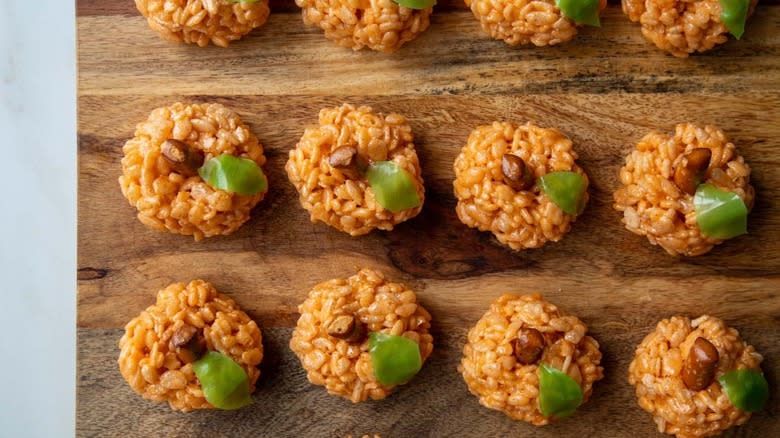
537	22
661	179
499	184
511	346
163	346
201	21
381	25
358	170
677	372
163	163
341	320
682	27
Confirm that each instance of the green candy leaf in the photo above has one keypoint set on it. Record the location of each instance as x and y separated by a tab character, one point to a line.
566	190
581	11
720	214
416	4
234	174
734	14
748	390
225	384
559	394
395	359
393	187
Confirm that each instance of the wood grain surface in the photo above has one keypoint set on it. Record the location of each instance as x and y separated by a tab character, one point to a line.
605	90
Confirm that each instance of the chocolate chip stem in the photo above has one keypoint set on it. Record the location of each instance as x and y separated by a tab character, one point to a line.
516	173
348	160
347	327
183	158
691	169
528	346
699	368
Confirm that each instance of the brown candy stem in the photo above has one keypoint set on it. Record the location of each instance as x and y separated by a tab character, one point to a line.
516	173
342	157
182	335
691	169
189	342
528	346
347	327
347	160
183	158
698	371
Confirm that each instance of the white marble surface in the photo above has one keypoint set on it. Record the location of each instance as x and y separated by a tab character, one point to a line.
38	219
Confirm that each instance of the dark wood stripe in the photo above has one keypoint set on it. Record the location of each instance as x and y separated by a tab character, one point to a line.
454	56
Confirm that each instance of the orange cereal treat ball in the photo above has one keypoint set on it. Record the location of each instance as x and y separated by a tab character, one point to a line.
681	27
381	25
161	345
161	165
508	347
676	373
662	176
498	183
358	170
537	22
339	323
203	21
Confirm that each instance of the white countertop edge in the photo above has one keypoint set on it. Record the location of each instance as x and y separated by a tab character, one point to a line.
38	218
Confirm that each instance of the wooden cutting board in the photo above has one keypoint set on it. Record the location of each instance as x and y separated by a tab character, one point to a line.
605	90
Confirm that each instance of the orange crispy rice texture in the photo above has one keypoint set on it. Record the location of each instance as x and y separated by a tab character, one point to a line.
519	219
158	371
203	21
344	368
169	201
537	22
651	203
680	27
656	372
492	372
329	194
381	25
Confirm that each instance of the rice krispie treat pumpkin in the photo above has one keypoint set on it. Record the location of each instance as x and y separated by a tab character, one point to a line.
698	378
682	27
358	170
686	192
194	348
201	21
528	359
520	183
381	25
538	22
193	170
361	336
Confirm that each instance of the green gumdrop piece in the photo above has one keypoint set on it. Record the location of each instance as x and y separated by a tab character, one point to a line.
393	188
734	15
225	384
234	174
395	359
566	190
559	394
720	214
581	11
416	4
748	390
